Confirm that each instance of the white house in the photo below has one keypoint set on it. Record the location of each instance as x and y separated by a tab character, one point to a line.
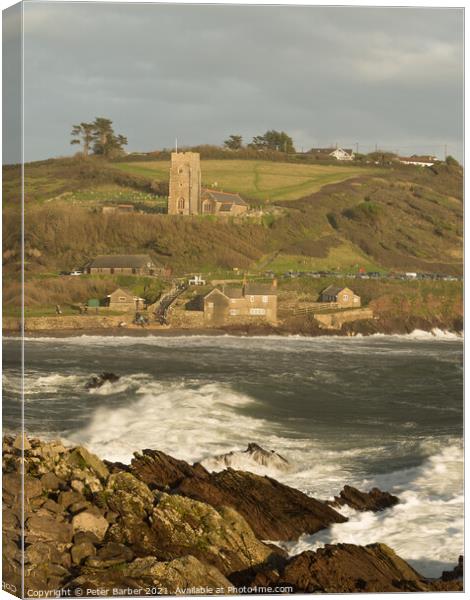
341	154
419	161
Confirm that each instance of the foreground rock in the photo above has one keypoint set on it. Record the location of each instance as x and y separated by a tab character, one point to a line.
93	526
347	568
274	511
185	575
254	454
375	500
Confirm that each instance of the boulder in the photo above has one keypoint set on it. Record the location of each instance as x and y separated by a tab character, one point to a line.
80	457
219	537
82	551
96	381
374	501
346	568
89	522
185	575
50	482
43	527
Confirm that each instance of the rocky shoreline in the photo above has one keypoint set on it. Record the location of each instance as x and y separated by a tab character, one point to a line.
163	526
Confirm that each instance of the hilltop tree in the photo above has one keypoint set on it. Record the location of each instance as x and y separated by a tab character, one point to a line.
274	140
99	136
234	142
106	142
83	134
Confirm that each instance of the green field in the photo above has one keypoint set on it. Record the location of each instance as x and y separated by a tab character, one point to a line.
256	179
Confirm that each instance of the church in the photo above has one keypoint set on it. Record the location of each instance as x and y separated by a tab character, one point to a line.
187	197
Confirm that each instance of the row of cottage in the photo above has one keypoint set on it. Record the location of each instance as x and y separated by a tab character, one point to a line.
249	301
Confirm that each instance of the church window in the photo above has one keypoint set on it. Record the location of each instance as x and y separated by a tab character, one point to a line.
181	204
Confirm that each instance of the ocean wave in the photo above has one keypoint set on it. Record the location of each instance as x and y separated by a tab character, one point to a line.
425	528
171	340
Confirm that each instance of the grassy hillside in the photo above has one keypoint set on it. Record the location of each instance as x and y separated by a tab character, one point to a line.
395	219
255	179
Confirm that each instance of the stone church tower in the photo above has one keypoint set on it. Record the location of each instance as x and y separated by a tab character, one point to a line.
185	184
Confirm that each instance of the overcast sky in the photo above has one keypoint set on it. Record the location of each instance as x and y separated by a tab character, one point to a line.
323	75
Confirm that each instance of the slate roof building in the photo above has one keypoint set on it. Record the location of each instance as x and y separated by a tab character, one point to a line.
188	198
222	203
251	301
123	264
124	300
343	296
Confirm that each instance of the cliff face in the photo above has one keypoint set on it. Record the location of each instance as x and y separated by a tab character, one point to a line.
162	526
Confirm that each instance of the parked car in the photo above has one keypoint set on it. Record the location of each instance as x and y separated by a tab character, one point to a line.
76	273
197	280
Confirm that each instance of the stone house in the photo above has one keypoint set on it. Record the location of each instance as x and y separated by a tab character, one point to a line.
343	296
124	264
251	301
124	300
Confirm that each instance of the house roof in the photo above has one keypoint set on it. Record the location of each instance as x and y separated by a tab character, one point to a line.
346	150
260	289
224	197
334	290
249	289
121	261
122	292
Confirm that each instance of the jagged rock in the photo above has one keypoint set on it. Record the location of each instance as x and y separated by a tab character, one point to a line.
132	500
273	510
80	552
174	577
80	457
163	472
96	381
87	521
375	500
219	537
456	573
254	453
346	568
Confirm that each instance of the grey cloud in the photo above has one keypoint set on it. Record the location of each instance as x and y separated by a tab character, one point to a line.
392	76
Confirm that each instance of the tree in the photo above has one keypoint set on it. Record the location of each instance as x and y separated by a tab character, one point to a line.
279	140
106	142
273	140
101	135
234	142
83	134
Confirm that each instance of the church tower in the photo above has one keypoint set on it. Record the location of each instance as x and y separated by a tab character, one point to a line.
185	184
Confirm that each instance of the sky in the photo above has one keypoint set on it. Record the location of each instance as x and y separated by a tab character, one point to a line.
325	75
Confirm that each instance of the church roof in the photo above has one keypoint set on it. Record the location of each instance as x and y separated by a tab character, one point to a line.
224	197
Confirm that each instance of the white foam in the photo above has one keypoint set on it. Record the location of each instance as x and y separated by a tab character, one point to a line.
425	528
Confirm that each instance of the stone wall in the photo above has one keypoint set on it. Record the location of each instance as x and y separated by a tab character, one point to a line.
335	320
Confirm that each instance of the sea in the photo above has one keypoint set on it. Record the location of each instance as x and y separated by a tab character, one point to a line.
382	411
